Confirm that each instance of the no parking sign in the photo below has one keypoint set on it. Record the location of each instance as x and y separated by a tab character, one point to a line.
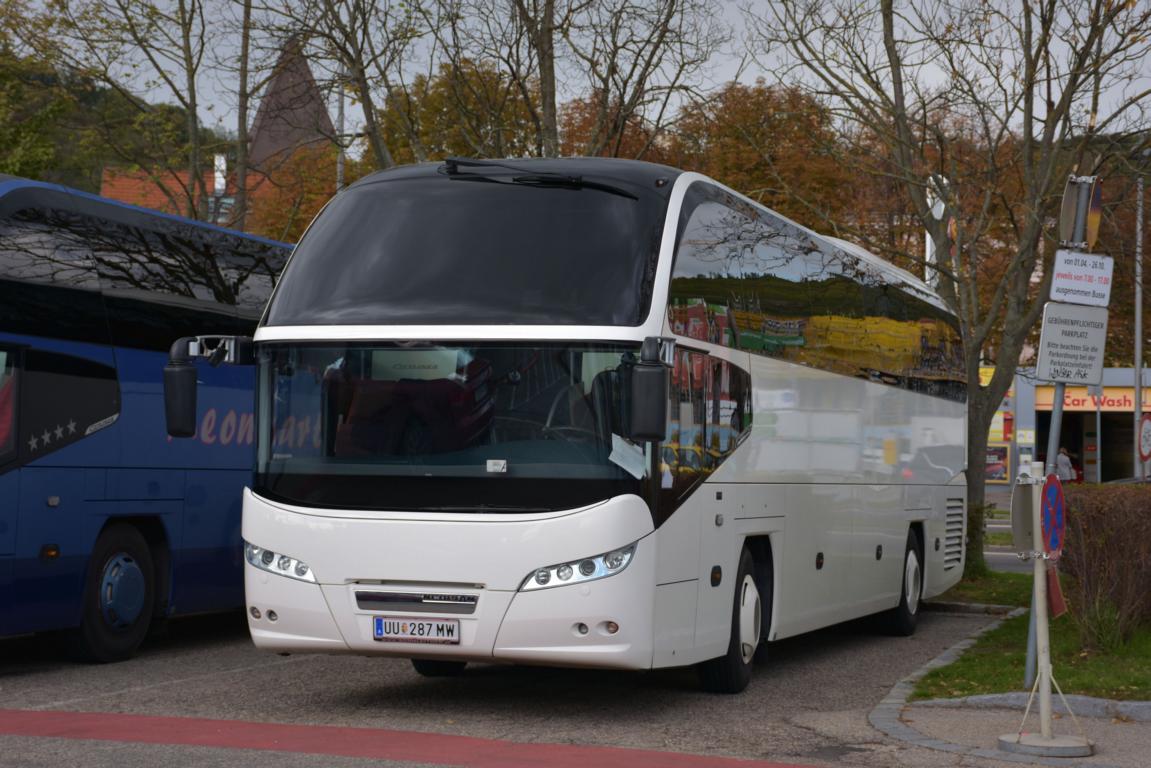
1053	515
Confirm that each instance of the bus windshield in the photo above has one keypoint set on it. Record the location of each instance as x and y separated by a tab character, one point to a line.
484	428
434	249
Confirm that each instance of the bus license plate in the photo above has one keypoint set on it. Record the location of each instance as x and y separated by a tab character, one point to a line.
406	630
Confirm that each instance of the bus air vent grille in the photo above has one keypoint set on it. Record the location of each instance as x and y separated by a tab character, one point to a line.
953	540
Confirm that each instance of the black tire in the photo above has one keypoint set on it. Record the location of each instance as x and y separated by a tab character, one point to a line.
902	619
765	581
119	596
439	667
731	672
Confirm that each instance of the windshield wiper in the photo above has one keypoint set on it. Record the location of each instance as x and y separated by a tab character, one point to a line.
485	508
548	179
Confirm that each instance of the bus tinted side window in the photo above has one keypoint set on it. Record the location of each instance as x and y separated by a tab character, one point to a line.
252	268
157	280
47	280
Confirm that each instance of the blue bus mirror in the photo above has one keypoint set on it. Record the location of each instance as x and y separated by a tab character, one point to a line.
180	391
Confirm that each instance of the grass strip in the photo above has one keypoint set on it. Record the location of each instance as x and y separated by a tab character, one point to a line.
992	588
998	539
995	665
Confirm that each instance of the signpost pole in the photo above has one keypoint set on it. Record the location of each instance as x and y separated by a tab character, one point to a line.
1138	473
1070	348
1055	428
1042	633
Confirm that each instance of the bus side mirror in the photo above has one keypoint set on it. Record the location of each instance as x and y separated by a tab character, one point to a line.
649	383
180	391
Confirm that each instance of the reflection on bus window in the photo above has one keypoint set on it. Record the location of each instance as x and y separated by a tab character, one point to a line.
745	278
350	422
709	411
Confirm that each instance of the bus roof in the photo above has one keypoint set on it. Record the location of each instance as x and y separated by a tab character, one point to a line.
637	172
15	187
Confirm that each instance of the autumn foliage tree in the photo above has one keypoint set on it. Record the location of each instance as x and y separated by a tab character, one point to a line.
468	109
285	197
773	143
985	106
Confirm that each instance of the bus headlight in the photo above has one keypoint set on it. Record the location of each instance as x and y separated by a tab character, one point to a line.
576	571
277	563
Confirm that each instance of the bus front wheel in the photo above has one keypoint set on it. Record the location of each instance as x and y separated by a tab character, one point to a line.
731	672
118	596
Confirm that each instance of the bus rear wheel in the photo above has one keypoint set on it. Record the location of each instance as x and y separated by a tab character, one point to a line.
119	590
731	672
439	667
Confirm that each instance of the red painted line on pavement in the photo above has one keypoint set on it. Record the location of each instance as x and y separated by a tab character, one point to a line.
378	743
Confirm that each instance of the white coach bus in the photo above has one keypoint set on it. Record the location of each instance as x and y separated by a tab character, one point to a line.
589	412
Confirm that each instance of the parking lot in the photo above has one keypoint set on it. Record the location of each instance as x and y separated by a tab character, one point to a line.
807	704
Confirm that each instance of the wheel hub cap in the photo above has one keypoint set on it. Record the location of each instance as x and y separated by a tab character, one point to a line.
911	578
750	618
121	591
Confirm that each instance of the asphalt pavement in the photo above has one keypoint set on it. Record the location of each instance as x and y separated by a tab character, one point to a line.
205	696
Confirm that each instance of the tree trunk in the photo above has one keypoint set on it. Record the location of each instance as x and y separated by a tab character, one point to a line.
541	31
197	193
982	403
545	49
371	120
240	207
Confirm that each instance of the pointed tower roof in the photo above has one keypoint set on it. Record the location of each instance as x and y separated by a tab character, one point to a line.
292	113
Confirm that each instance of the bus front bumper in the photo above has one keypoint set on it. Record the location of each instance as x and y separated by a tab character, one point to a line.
477	571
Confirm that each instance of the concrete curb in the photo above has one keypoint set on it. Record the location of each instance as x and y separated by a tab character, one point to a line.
1085	706
969	608
886	716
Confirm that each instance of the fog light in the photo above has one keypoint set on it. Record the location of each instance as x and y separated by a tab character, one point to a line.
255	612
272	616
581	628
564	572
610	626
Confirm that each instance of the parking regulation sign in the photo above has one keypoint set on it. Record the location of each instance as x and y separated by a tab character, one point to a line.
1145	437
1053	516
1071	343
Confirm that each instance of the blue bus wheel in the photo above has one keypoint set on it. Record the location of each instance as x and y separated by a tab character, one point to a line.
119	593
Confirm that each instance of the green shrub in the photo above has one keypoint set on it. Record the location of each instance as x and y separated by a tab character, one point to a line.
1107	554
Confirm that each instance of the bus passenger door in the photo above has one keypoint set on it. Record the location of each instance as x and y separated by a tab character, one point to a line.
9	493
9	485
9	477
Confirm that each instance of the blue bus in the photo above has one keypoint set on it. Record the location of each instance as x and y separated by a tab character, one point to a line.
106	523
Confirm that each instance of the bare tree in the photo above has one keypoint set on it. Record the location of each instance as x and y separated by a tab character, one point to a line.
365	46
988	104
639	55
138	48
630	58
